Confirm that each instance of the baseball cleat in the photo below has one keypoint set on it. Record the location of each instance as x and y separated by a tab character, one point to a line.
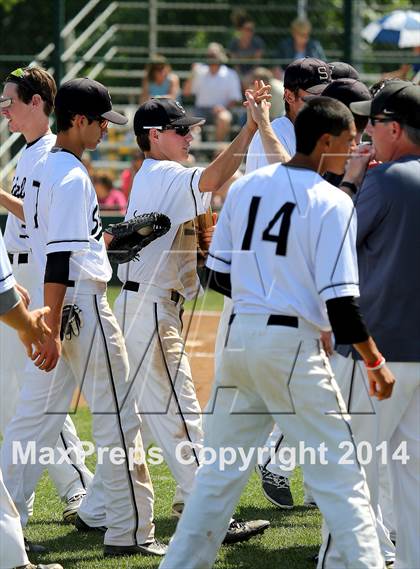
155	547
34	547
41	566
73	505
83	526
242	531
275	488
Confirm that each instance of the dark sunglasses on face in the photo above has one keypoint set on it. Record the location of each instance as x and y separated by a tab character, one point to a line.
180	130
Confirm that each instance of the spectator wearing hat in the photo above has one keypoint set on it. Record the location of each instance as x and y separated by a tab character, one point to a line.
217	89
159	80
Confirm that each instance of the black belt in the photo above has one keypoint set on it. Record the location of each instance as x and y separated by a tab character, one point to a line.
134	287
22	258
277	320
282	320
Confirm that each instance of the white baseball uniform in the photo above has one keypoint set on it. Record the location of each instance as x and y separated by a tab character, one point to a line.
149	310
12	547
293	251
69	479
256	158
67	215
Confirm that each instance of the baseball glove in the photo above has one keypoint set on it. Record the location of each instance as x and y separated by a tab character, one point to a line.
131	236
71	321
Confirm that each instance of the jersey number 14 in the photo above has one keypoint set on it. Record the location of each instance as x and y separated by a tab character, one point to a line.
284	214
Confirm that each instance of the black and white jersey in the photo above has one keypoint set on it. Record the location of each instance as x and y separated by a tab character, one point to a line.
26	181
288	239
64	216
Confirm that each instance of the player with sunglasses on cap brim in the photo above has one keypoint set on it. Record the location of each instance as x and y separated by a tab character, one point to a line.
150	304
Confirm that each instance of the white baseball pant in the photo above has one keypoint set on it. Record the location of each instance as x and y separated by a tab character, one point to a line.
12	547
389	423
69	479
281	373
97	362
160	375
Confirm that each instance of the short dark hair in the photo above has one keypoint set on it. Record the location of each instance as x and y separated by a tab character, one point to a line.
320	115
64	119
360	122
32	81
143	140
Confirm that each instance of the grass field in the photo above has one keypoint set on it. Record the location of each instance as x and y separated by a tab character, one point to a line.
291	541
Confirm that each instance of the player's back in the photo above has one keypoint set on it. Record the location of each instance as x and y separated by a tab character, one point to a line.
291	234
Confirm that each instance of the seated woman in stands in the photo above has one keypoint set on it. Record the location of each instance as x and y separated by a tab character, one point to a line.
159	80
109	198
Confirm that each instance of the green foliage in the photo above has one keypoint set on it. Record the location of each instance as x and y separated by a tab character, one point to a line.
7	5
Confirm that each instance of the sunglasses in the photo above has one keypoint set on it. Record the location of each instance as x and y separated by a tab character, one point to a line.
374	120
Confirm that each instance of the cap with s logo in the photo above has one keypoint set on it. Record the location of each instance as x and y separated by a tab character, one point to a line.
307	73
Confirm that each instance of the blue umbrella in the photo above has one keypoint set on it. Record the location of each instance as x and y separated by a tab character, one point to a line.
400	28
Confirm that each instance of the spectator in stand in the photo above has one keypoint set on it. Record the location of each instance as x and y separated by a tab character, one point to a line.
109	198
277	90
246	45
159	80
127	175
299	44
217	90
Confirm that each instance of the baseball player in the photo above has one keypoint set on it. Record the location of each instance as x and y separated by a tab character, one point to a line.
149	307
347	91
291	269
302	77
66	239
26	103
31	329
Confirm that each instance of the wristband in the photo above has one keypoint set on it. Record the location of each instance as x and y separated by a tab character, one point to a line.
376	365
352	187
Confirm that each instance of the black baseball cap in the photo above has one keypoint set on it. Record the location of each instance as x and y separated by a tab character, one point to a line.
307	73
399	99
343	70
347	91
163	112
87	97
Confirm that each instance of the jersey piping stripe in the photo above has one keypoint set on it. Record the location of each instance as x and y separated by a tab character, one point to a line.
114	395
192	191
172	384
68	241
76	468
353	373
219	259
337	284
324	554
6	277
276	448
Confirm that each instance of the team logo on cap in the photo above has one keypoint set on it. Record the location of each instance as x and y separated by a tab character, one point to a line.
180	107
323	73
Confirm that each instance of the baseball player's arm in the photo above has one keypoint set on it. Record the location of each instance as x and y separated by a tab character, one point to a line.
226	164
273	148
30	326
12	204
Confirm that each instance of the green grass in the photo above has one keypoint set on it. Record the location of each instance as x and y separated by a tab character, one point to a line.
209	301
292	539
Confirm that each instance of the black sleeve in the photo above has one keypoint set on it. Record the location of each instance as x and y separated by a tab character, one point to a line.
346	320
220	282
57	269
